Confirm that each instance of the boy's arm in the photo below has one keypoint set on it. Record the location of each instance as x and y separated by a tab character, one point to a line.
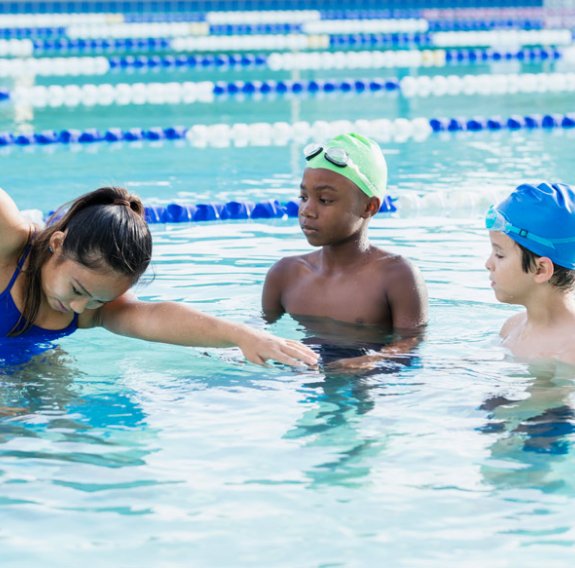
407	297
272	291
180	324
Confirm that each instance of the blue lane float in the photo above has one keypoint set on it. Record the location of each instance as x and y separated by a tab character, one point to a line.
33	32
470	55
400	40
100	45
191	61
513	122
255	29
92	135
234	88
235	210
525	24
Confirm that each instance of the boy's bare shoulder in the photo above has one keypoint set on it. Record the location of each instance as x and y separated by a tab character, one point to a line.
511	324
395	266
391	258
289	263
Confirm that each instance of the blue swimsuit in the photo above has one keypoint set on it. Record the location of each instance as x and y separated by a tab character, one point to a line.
9	315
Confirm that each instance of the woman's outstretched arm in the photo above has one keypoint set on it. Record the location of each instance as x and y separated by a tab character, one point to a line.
180	324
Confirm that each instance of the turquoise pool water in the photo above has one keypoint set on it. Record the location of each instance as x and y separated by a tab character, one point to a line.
117	453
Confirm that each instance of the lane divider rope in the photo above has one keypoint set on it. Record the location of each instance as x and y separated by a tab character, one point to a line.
231	210
276	61
466	18
285	41
207	91
223	135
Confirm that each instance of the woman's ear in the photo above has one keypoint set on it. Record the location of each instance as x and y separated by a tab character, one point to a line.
56	241
372	206
543	269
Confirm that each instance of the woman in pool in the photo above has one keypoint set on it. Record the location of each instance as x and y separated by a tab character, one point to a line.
77	272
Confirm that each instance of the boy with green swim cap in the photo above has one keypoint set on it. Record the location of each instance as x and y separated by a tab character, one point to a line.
532	263
348	280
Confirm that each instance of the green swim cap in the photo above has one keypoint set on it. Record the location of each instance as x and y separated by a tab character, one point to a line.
355	157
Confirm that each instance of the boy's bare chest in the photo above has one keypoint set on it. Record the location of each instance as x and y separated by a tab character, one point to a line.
357	297
552	344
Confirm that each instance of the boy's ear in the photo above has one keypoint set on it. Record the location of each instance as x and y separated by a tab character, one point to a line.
543	269
372	206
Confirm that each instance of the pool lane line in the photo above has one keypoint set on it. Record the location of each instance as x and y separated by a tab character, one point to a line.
223	135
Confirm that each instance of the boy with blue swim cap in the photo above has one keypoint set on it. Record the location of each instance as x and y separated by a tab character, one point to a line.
347	280
532	263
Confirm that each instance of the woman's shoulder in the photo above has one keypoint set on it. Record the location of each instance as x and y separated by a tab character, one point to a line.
14	229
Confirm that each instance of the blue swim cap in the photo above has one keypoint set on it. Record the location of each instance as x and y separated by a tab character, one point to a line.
542	219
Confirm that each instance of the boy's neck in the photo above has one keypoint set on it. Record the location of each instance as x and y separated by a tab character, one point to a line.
345	253
550	308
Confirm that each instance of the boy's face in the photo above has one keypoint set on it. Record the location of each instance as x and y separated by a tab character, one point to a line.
508	280
332	208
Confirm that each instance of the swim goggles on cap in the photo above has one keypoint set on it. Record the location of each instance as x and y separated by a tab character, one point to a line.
495	221
338	157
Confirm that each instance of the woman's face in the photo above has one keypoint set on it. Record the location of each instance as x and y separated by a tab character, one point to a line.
69	286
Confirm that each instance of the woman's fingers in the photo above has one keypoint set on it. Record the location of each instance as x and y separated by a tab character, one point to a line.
301	353
287	351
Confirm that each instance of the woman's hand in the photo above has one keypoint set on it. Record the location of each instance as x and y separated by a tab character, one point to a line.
258	347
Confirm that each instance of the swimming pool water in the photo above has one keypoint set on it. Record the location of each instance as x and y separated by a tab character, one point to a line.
118	453
164	454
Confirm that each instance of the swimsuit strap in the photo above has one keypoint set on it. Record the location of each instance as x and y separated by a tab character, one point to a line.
19	266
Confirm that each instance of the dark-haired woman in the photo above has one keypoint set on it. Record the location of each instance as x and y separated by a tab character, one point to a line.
77	272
